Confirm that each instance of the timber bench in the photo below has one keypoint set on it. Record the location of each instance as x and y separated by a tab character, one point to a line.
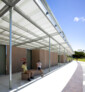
34	73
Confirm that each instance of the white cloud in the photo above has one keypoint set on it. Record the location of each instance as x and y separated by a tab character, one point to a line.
77	19
82	19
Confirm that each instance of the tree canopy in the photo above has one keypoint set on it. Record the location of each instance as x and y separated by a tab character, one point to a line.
79	54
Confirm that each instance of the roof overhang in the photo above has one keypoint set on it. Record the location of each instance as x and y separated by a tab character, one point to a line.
33	24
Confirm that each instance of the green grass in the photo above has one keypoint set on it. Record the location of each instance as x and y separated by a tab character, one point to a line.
81	59
69	58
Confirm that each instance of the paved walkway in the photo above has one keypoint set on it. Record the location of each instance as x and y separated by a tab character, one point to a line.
17	82
75	83
53	82
83	67
67	78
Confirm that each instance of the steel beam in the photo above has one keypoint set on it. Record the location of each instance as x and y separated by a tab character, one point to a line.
6	29
27	18
20	27
49	11
45	46
38	27
46	6
9	4
4	10
34	40
31	21
14	2
25	29
30	41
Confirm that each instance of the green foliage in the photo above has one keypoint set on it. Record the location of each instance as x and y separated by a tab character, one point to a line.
69	58
79	55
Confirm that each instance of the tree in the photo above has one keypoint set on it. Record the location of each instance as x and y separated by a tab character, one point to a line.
79	54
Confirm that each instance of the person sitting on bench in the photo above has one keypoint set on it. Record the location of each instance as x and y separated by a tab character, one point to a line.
26	71
39	64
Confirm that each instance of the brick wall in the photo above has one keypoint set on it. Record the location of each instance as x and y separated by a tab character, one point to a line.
43	56
63	58
17	55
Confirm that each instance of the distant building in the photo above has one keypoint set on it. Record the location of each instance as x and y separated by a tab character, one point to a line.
80	50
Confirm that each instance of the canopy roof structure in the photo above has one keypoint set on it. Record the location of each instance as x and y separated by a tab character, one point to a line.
32	25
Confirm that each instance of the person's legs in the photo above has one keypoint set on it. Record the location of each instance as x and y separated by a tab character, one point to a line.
41	71
29	75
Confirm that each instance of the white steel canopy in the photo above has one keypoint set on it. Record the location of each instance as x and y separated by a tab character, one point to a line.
32	25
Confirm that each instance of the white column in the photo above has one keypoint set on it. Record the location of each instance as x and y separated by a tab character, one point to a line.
49	54
64	55
59	55
10	43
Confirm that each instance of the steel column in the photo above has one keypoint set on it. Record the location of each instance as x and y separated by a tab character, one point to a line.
64	55
49	54
59	55
10	57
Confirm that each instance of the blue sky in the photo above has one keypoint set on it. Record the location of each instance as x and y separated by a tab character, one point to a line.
70	14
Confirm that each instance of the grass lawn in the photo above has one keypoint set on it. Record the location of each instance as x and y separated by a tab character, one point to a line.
81	59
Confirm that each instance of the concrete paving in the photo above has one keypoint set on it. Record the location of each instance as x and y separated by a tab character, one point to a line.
54	81
75	84
17	82
83	67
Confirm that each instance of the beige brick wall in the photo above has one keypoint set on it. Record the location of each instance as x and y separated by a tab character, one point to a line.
63	58
43	56
17	54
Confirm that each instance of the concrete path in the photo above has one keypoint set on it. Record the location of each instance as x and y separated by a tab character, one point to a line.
54	82
75	84
17	82
66	78
83	67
